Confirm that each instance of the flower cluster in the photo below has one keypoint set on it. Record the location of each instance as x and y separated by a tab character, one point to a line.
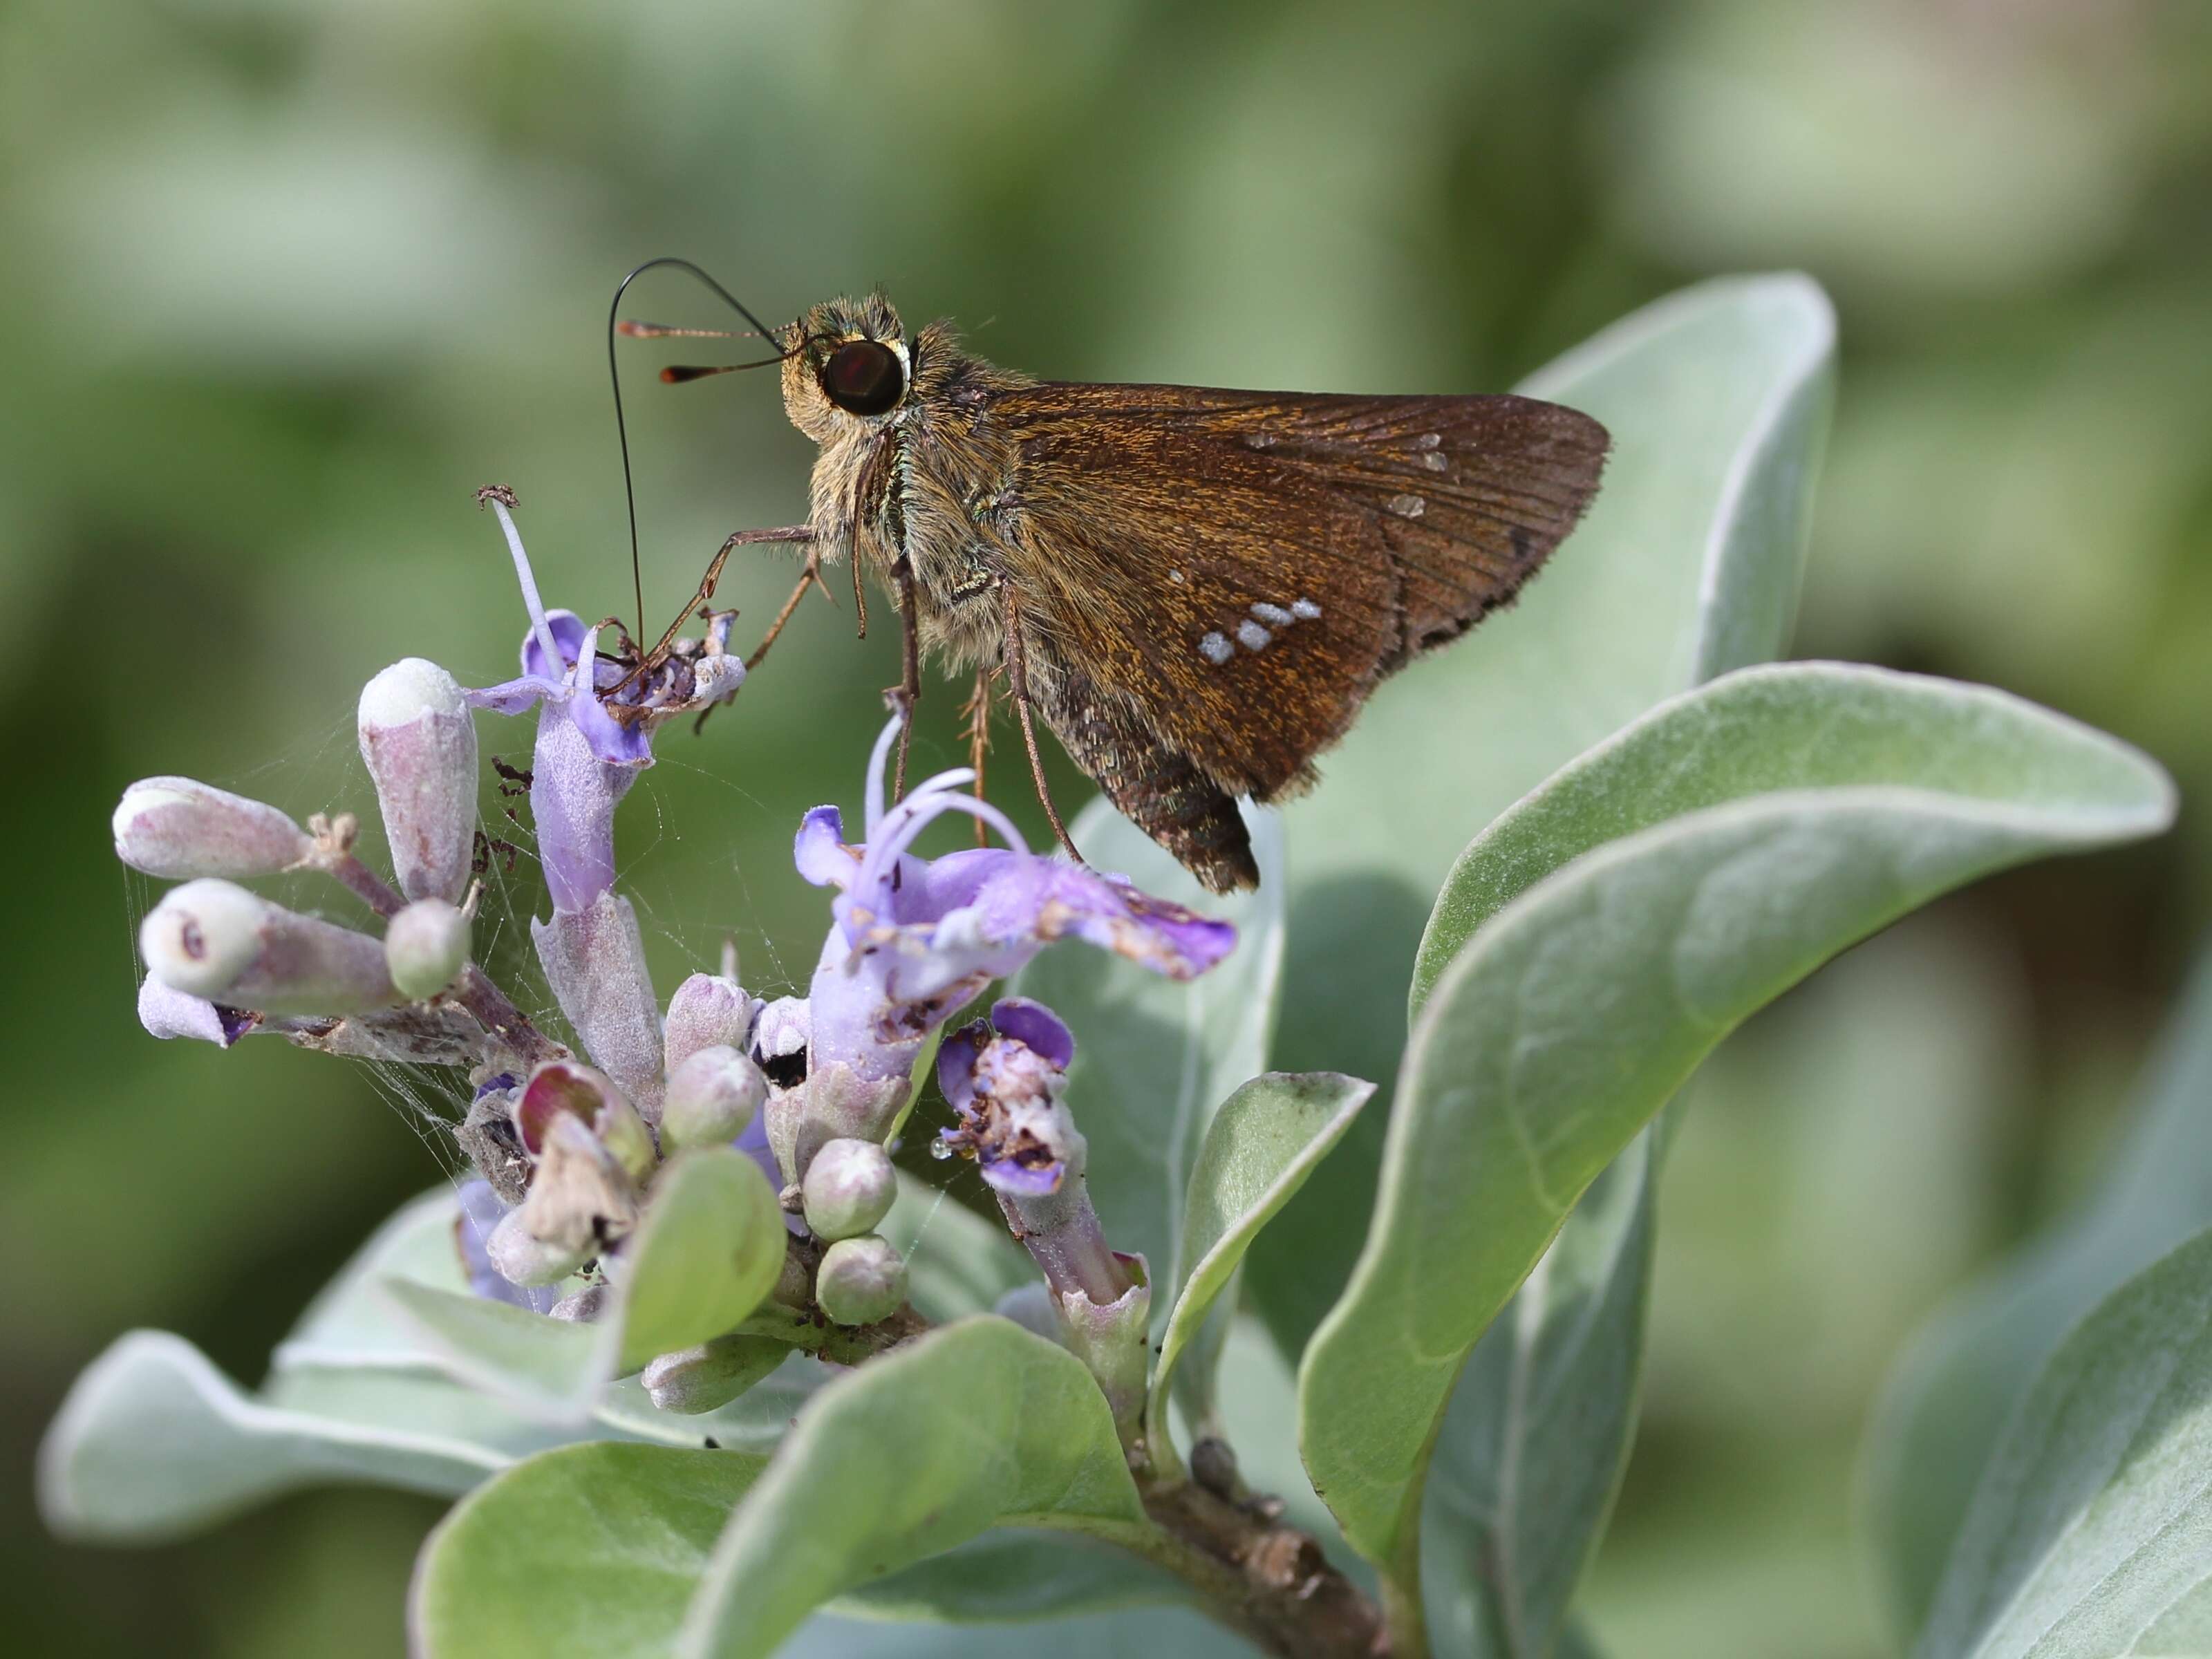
566	1142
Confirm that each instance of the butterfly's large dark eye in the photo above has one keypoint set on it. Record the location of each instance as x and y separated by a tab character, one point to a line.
864	376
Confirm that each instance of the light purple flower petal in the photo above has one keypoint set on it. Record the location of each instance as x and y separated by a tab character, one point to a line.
1050	898
820	851
1035	1026
1030	1180
956	1064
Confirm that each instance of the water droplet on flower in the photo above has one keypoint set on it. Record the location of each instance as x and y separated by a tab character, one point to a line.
940	1150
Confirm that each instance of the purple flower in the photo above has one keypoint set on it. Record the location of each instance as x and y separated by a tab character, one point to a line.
1003	1077
916	938
595	729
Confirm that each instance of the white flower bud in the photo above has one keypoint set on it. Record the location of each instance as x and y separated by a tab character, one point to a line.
210	938
426	946
848	1189
420	746
861	1280
711	1097
520	1257
180	828
166	1013
708	1011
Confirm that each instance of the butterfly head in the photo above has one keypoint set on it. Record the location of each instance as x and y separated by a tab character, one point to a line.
851	366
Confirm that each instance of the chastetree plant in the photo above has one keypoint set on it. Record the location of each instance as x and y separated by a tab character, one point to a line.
1306	1312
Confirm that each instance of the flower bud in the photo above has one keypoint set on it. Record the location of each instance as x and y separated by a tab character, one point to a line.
708	1011
848	1189
166	1013
420	746
426	946
712	1098
210	938
861	1280
520	1257
583	1307
568	1088
177	828
710	1376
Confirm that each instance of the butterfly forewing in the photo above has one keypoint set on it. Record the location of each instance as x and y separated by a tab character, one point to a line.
1221	577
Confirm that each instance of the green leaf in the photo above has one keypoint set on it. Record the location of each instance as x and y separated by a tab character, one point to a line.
1961	1377
707	1253
1716	398
1123	1635
1537	1435
2091	1532
153	1443
1570	1019
976	1425
1260	1146
590	1549
1016	1574
1154	1057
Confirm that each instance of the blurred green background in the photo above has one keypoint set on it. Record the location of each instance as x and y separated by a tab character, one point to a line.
287	280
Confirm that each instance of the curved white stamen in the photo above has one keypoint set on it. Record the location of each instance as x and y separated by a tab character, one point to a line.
894	832
872	803
915	815
583	672
531	603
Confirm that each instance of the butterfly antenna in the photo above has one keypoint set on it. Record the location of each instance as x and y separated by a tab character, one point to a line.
614	375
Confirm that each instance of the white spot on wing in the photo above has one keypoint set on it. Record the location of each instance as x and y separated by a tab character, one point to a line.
1251	636
1176	577
1305	610
1430	440
1273	615
1406	506
1436	463
1259	440
1216	649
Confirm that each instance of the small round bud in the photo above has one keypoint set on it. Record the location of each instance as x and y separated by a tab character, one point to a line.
708	1011
520	1257
201	936
861	1280
420	746
179	827
583	1306
210	938
711	1097
710	1376
426	946
848	1189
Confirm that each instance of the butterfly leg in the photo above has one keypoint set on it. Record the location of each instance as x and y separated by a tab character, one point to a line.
1018	682
907	692
797	532
808	577
977	714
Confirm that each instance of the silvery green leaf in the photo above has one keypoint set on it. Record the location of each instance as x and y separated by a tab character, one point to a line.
2090	1533
588	1549
1261	1145
153	1443
1688	564
1938	1418
977	1425
1569	1018
707	1251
